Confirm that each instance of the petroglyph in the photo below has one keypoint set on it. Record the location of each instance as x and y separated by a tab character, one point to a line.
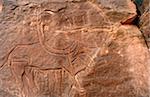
71	48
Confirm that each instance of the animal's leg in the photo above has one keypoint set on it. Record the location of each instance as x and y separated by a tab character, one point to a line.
17	68
80	88
28	82
77	85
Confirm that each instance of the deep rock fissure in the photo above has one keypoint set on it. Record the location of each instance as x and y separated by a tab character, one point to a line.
99	57
136	21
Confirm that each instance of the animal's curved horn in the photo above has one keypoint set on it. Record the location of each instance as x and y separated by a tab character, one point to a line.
50	49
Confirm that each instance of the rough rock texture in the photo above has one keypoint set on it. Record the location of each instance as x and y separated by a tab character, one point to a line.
1	5
72	48
145	21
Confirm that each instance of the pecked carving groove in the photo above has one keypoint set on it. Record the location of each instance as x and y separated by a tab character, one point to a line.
72	48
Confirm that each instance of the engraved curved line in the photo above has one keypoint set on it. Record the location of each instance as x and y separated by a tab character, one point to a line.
65	51
91	61
9	53
42	42
81	89
70	47
52	50
43	69
70	73
75	82
93	57
90	58
67	19
29	62
22	80
7	58
22	74
80	70
85	29
71	87
73	75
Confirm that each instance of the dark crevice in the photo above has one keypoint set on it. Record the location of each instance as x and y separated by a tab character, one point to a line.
145	40
136	21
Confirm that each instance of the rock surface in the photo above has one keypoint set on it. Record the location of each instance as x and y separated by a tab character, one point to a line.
145	21
1	6
72	48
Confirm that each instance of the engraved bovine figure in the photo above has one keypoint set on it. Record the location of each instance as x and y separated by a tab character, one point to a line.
59	51
63	53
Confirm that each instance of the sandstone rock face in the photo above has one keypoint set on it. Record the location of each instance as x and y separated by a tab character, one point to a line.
72	48
145	5
145	21
1	6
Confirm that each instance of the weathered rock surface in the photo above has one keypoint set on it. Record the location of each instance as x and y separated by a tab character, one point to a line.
1	5
145	21
72	48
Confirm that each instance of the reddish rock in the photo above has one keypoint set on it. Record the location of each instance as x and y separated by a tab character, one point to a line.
145	21
72	48
145	5
1	6
123	11
145	25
